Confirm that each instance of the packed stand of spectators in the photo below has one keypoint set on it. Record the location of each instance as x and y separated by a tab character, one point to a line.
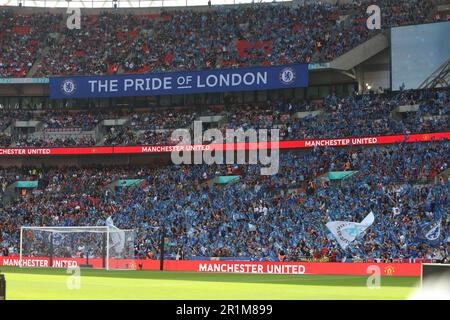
7	118
85	120
23	39
365	115
434	111
356	115
352	116
47	140
171	118
349	116
263	34
257	217
151	137
99	47
222	37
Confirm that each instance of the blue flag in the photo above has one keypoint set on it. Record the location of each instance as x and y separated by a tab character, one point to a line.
431	233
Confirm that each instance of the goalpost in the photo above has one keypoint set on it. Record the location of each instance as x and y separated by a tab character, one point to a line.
101	247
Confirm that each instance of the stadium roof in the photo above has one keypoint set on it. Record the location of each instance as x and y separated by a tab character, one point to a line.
124	3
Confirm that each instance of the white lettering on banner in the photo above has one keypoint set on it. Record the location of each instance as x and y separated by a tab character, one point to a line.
235	79
246	79
32	151
40	263
156	84
285	269
167	83
113	86
38	151
326	143
364	141
340	142
251	268
211	81
292	144
12	151
127	83
176	148
138	85
223	80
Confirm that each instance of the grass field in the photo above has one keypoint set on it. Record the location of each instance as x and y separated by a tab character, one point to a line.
31	283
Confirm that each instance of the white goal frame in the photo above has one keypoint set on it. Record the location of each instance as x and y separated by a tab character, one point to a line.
60	229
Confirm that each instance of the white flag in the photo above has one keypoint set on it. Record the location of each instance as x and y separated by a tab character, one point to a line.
116	236
345	232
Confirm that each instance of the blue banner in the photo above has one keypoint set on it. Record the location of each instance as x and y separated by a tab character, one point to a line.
154	84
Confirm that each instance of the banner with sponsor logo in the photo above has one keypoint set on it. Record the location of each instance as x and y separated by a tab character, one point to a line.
154	84
299	268
290	144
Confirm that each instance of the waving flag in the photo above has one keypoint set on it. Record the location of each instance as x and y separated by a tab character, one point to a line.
346	232
117	237
430	233
434	233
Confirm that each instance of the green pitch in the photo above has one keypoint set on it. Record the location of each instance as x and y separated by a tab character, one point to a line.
100	284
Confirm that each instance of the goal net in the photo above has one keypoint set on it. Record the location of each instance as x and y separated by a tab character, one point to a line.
91	247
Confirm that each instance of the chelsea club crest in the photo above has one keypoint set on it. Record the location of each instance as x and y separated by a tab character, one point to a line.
287	75
68	87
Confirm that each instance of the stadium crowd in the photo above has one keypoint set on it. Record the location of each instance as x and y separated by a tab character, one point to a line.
338	117
23	39
50	141
257	217
222	37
